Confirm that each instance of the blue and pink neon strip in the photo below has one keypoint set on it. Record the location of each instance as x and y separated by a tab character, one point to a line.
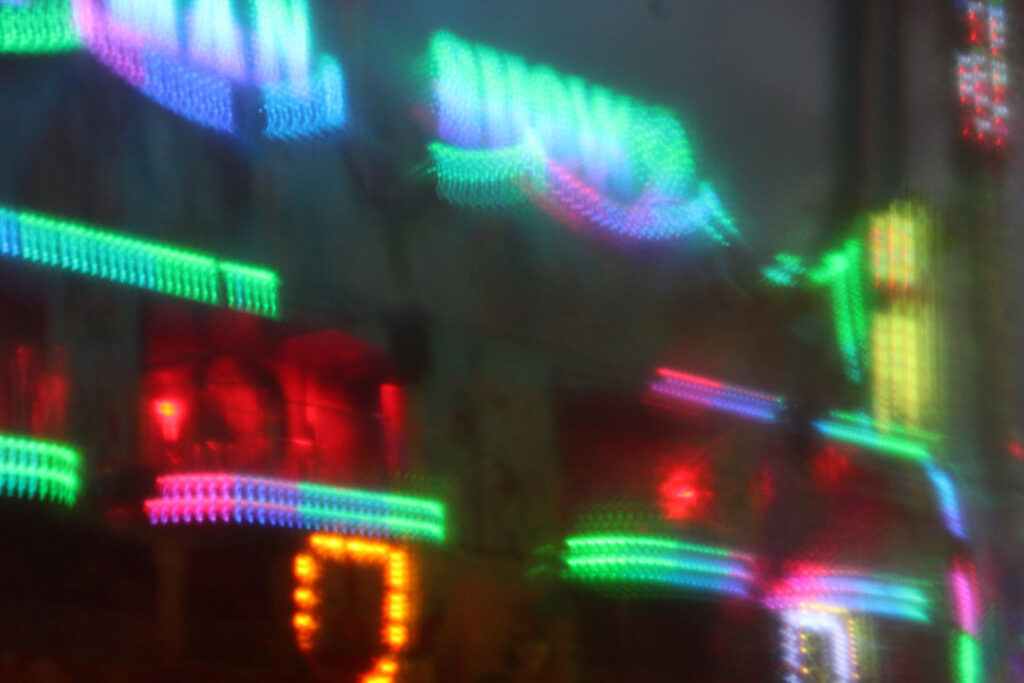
821	587
242	499
200	78
700	391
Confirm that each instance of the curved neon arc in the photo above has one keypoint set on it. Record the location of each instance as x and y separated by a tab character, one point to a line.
39	469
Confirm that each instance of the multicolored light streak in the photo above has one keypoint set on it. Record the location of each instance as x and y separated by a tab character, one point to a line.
398	603
818	588
40	470
603	559
242	499
86	250
691	389
595	157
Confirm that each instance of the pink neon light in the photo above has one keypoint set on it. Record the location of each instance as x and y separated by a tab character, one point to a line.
670	374
966	605
107	39
693	379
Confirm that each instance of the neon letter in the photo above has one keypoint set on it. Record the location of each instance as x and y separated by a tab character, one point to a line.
282	43
154	19
215	38
397	601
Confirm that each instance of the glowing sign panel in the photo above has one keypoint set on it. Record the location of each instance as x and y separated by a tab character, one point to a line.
596	158
196	60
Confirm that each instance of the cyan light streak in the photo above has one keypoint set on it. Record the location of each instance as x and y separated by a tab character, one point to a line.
949	502
866	436
83	249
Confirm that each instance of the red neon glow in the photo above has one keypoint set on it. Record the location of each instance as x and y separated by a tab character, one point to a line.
830	468
686	493
169	413
392	415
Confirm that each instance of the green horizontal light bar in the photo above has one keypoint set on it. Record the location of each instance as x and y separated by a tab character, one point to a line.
251	289
603	543
644	559
39	469
86	250
422	505
38	26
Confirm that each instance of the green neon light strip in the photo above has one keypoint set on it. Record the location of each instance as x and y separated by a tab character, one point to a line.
967	665
863	420
841	270
251	289
38	469
788	270
869	438
487	178
40	26
604	544
137	263
642	559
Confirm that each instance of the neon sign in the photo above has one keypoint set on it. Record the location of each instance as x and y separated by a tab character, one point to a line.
197	63
398	597
594	158
982	75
